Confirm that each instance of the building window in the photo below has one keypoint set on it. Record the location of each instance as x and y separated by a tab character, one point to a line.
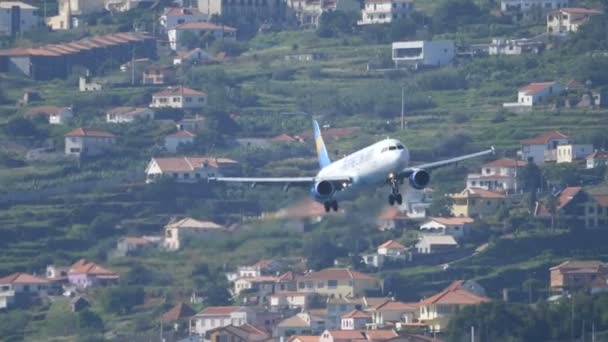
332	284
177	99
188	99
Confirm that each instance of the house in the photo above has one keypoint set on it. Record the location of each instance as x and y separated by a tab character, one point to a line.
179	316
453	226
179	97
17	17
84	274
287	282
128	114
83	142
566	20
173	16
173	141
86	83
390	312
260	11
156	74
303	338
131	245
126	5
572	275
79	303
530	9
597	159
357	335
220	316
535	94
577	208
242	333
217	32
194	56
71	11
53	114
429	244
338	282
18	286
290	300
391	218
193	125
56	275
423	53
435	311
188	169
300	324
472	202
263	286
543	148
355	320
513	47
392	248
569	153
178	231
261	268
385	11
338	306
499	175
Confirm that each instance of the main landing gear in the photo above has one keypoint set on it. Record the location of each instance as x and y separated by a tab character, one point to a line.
331	205
395	196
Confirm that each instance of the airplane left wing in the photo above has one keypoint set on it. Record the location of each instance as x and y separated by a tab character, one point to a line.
429	166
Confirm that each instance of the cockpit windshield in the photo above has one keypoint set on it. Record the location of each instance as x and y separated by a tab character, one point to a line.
392	148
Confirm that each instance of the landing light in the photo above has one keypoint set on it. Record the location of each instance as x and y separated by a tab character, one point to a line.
344	185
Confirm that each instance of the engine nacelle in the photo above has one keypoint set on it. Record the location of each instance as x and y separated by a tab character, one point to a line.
323	189
419	179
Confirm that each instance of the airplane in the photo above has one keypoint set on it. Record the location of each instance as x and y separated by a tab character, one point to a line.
383	163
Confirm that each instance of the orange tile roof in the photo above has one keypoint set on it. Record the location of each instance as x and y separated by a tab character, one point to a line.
391	244
45	110
346	334
452	221
219	310
601	200
172	91
182	134
455	294
186	164
22	278
482	193
284	138
356	314
506	162
580	10
181	11
580	266
396	306
85	132
392	213
203	26
337	274
567	195
303	338
598	155
533	88
545	138
287	276
137	240
379	335
84	266
180	311
129	111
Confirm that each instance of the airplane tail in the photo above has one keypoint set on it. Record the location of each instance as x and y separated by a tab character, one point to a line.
320	145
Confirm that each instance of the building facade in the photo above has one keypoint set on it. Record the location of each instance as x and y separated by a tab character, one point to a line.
543	148
179	231
569	153
17	17
499	175
128	114
423	53
215	32
338	282
566	20
179	97
385	11
83	142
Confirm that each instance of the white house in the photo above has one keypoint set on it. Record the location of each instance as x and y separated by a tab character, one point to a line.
179	97
194	124
436	243
263	284
355	320
193	56
221	316
528	7
55	115
218	32
17	17
290	299
21	284
423	53
125	5
543	148
511	47
187	169
390	312
87	142
500	175
173	16
565	20
173	141
392	249
385	11
596	159
70	11
300	324
535	94
176	232
454	226
128	114
569	153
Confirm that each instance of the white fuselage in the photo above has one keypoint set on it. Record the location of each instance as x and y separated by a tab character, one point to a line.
368	168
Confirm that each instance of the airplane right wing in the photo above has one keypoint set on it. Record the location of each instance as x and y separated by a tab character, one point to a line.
429	166
285	181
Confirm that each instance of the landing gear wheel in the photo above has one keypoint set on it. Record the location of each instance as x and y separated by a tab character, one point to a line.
391	199
398	199
327	206
334	205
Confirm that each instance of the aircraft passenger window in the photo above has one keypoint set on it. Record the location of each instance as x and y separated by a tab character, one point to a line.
400	147
392	148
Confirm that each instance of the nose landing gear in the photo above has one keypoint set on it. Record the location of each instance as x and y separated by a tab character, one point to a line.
330	205
395	196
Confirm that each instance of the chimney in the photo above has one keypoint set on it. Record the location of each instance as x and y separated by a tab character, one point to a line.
505	294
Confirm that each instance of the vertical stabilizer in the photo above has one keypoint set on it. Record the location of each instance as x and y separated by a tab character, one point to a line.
320	145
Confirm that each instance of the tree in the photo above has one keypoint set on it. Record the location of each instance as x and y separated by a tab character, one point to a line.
321	252
121	299
441	206
552	204
20	127
190	40
89	321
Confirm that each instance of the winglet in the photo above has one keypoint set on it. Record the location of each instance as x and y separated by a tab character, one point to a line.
493	150
320	145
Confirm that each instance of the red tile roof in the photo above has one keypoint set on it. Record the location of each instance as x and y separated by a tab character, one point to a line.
580	10
45	110
181	11
580	266
186	164
303	338
22	278
287	276
181	134
482	193
601	200
183	91
598	155
362	335
203	26
391	244
84	266
567	195
180	311
337	274
455	294
534	88
219	310
545	138
85	132
452	221
128	111
397	306
506	162
356	314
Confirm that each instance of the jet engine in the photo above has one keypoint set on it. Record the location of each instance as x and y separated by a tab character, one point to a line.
419	179
323	189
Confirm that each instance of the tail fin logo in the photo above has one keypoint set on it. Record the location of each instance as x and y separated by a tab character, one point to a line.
320	145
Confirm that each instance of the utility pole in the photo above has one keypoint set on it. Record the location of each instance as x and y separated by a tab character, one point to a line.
133	65
592	331
402	107
572	318
472	333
